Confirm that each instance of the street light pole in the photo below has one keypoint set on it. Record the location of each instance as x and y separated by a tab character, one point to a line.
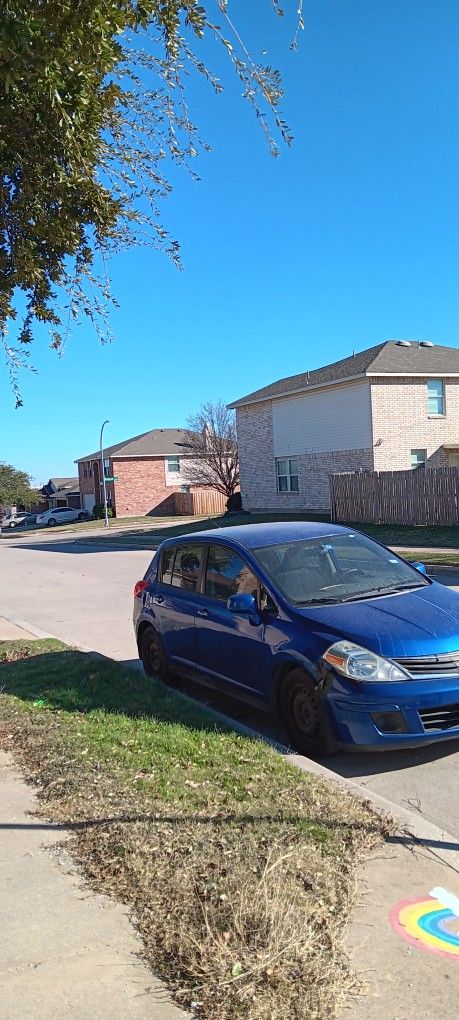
102	468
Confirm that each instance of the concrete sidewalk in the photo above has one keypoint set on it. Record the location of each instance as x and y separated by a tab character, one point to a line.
404	979
64	951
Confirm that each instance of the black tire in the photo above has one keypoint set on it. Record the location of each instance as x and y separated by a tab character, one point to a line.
12	524
152	654
52	522
82	517
305	717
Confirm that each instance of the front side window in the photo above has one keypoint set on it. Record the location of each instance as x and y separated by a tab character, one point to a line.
227	574
436	396
173	465
287	474
418	458
336	568
187	567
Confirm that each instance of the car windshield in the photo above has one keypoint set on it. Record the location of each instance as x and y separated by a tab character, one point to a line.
337	568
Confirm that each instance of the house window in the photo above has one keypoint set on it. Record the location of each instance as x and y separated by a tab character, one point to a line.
436	396
85	470
418	458
89	469
287	475
107	467
173	464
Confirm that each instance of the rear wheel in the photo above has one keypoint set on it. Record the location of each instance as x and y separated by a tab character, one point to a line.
52	522
304	716
152	653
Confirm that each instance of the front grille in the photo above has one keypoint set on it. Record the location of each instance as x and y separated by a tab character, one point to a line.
431	665
445	717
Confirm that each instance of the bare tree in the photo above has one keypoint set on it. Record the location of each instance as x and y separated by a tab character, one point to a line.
211	441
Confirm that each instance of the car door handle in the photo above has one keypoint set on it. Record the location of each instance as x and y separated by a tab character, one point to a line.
203	612
158	599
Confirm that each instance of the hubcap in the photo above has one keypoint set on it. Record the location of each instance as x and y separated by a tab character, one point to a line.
305	711
155	655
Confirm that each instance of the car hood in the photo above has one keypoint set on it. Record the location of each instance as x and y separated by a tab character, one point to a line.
420	622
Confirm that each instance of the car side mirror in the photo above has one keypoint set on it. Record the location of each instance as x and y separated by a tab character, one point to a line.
242	603
420	566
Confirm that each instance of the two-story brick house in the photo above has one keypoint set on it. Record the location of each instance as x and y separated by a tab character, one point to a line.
147	471
392	407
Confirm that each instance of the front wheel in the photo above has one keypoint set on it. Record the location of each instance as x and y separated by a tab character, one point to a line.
82	517
152	653
304	716
52	522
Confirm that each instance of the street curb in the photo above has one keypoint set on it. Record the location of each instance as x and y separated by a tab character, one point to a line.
421	833
29	627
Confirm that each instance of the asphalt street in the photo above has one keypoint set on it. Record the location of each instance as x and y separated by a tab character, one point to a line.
82	594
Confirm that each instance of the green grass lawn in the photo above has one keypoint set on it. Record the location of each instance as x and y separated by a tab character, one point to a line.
148	532
239	869
403	536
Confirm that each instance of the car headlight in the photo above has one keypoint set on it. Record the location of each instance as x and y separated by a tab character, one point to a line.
361	664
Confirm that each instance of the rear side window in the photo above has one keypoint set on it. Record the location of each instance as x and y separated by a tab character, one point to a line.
227	574
187	567
167	562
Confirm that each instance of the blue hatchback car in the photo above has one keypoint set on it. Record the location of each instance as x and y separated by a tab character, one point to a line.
343	640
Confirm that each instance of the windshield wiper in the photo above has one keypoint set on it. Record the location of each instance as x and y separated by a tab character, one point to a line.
325	600
356	595
385	589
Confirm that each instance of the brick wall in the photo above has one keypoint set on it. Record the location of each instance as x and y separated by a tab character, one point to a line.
141	487
401	422
86	485
258	466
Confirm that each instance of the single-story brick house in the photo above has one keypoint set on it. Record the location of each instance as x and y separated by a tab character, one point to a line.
147	469
62	492
391	407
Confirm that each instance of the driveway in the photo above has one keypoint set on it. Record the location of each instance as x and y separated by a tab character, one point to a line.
83	595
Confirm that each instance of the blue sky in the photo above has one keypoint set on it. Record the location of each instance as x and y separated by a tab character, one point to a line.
349	238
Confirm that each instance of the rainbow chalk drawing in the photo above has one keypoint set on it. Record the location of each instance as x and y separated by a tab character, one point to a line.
430	923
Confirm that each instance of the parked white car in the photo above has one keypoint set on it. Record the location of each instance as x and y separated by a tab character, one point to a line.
61	515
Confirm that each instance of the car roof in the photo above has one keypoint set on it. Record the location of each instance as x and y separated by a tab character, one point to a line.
254	536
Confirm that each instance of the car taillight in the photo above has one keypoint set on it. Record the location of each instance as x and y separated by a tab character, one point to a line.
139	588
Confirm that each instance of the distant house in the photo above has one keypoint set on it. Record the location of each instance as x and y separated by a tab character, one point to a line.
142	473
62	492
391	407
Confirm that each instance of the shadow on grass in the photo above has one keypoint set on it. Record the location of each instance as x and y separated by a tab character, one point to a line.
79	682
399	839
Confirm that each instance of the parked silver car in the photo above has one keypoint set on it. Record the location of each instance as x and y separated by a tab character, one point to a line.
18	520
61	515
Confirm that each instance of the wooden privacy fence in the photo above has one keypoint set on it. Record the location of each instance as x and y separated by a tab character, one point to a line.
204	502
421	496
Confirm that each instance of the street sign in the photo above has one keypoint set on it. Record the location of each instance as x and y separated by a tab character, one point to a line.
111	478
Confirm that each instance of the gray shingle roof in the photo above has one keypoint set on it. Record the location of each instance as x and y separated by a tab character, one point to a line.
388	358
156	443
64	483
56	484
